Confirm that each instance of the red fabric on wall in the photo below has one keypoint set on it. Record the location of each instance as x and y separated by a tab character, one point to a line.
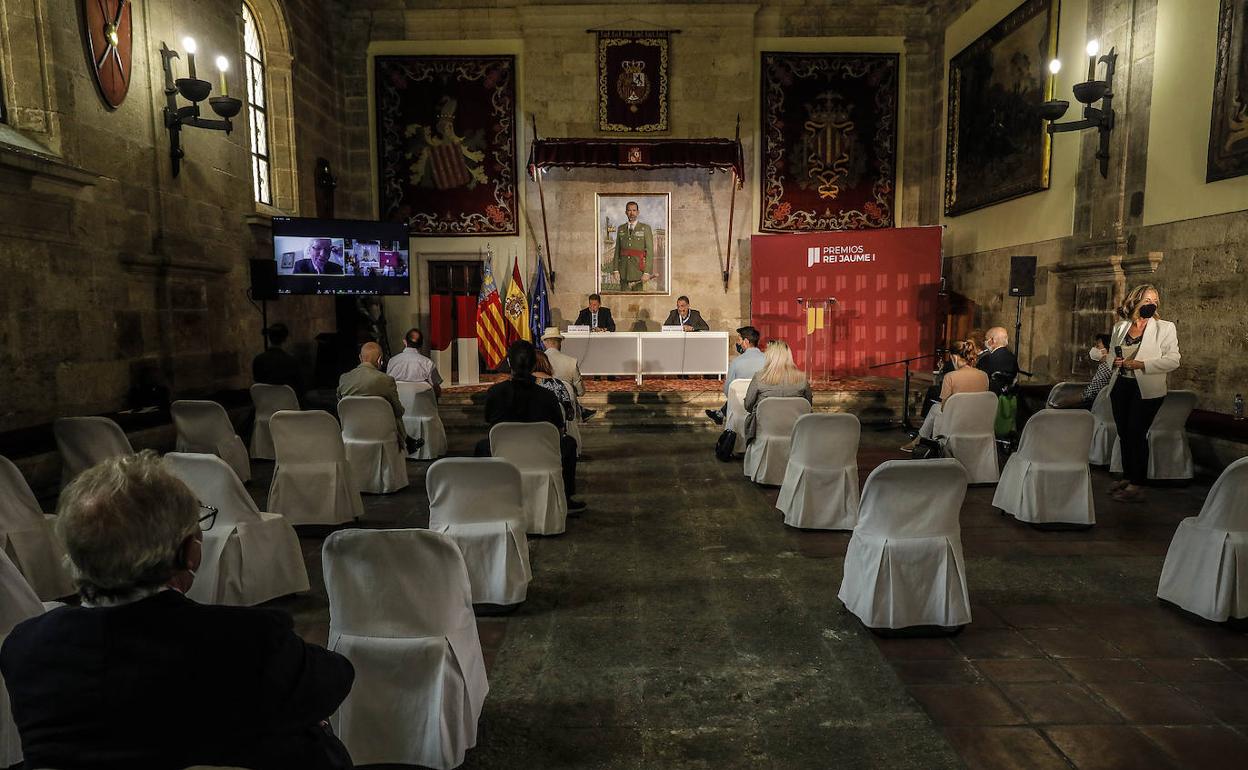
466	316
885	282
440	309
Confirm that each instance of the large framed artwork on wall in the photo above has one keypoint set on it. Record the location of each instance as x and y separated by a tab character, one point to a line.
446	143
829	149
633	232
997	147
1228	130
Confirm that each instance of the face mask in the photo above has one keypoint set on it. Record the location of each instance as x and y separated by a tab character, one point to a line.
1096	354
740	349
1148	311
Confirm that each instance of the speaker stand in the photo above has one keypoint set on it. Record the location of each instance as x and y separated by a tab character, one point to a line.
264	322
1018	333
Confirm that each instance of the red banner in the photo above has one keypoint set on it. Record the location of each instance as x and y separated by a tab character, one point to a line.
868	296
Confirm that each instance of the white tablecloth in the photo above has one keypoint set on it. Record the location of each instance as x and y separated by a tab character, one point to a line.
656	353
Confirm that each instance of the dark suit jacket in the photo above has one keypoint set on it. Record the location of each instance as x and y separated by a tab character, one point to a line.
695	320
277	367
1001	367
305	266
168	683
605	321
522	401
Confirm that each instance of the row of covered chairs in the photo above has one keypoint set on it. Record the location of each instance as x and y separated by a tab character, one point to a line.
1169	452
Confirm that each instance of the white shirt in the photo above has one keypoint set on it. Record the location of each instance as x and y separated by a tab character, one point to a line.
412	366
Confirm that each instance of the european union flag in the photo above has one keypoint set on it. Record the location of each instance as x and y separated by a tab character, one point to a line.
539	305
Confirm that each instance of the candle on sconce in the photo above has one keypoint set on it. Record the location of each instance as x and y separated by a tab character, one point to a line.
1055	66
188	43
223	64
1094	47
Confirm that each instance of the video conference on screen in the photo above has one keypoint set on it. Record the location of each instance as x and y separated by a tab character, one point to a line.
334	256
340	256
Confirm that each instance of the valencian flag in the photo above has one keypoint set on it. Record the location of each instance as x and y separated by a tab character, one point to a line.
491	328
516	307
539	307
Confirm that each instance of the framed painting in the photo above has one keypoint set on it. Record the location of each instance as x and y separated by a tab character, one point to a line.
633	81
446	143
1228	129
829	149
997	147
633	232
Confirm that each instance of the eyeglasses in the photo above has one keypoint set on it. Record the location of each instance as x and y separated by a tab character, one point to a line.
208	518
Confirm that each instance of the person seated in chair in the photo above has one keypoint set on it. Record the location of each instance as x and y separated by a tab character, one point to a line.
275	366
743	367
140	676
682	316
965	378
778	378
998	361
411	365
596	317
565	367
368	379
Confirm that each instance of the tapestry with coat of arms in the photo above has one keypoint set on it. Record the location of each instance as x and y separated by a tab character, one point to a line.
633	80
829	127
446	143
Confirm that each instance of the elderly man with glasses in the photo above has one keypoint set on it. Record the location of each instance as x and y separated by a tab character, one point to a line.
141	676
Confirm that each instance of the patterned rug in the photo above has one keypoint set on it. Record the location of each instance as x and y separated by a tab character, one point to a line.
696	384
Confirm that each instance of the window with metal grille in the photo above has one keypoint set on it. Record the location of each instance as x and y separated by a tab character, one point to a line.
257	108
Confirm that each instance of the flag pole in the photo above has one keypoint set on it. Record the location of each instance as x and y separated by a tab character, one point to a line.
732	209
541	196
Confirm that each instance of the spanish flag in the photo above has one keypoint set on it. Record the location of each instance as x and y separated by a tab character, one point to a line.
516	307
491	328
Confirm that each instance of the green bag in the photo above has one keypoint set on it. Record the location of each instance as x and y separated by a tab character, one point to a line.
1006	421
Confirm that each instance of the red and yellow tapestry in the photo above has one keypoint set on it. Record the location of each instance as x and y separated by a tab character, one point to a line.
632	80
446	143
829	125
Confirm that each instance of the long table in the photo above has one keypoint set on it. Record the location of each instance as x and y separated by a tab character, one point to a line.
636	354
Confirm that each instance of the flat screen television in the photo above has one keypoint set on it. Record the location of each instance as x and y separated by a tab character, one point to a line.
340	256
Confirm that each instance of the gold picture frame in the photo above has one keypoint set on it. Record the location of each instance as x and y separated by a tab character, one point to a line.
654	213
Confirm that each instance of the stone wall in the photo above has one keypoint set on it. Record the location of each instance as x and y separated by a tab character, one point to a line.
112	265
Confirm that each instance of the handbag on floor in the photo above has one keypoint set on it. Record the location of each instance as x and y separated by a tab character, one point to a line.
724	445
926	449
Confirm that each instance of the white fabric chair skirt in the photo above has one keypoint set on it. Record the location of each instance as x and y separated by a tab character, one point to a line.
734	418
267	400
249	556
1047	480
476	502
27	538
205	427
371	441
767	456
904	565
1104	430
421	419
400	609
1206	568
966	434
1169	454
87	441
820	489
18	602
533	447
312	483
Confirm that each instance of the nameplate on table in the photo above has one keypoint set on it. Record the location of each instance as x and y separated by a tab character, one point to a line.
579	328
676	328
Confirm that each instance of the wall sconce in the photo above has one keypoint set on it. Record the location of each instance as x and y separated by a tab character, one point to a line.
1090	91
195	91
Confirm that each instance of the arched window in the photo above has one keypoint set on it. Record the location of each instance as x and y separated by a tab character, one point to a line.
257	108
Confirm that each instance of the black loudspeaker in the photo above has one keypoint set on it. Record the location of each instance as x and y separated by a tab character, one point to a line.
263	279
1022	276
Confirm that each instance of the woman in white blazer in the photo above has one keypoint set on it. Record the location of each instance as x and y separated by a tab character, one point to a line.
1145	349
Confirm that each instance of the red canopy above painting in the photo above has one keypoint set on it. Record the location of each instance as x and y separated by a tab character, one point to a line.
639	154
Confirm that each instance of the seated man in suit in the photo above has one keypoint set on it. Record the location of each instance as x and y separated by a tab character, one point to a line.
140	676
690	320
368	379
317	259
998	361
596	317
521	399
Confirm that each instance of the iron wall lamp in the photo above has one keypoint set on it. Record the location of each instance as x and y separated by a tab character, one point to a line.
1088	93
194	91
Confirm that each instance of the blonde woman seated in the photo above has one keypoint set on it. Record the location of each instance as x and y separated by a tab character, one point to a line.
544	373
779	377
964	378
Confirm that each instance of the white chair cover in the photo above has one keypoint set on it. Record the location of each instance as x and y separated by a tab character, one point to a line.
1104	430
734	419
312	483
476	502
371	440
267	400
87	441
965	430
18	602
573	426
533	447
820	489
767	456
904	565
400	609
1047	480
1169	454
204	427
26	536
421	419
249	556
1206	569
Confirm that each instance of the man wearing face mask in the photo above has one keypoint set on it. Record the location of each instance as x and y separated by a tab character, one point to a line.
744	367
998	361
140	676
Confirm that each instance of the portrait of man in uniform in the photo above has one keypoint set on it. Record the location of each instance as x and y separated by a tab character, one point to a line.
633	244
